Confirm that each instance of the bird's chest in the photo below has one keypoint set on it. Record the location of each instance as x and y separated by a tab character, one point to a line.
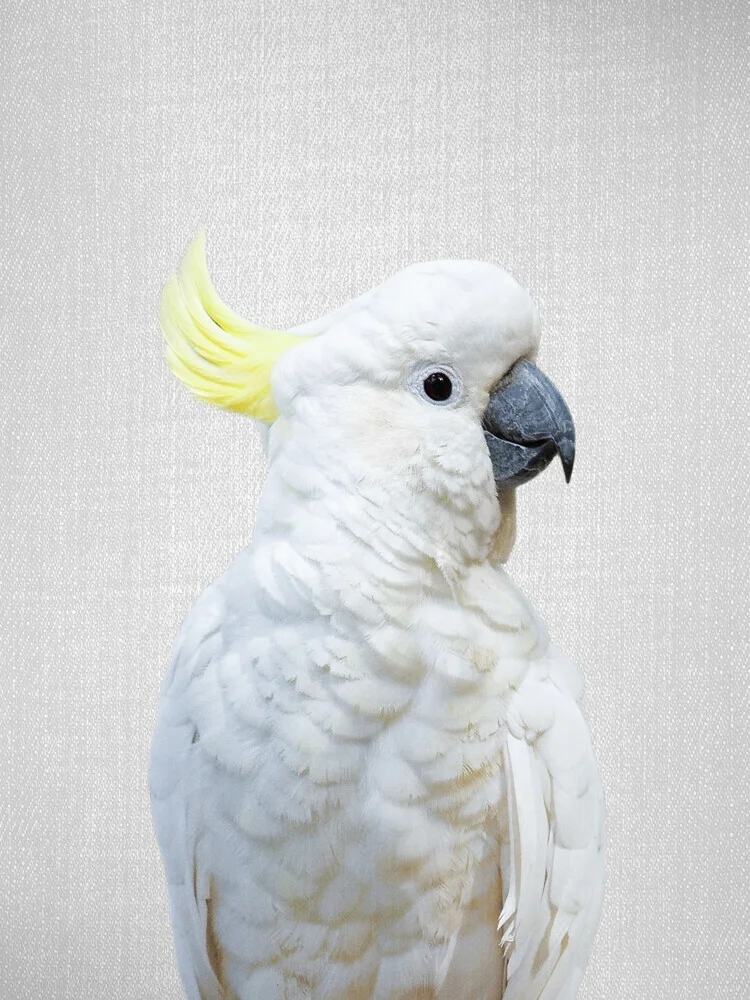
369	792
407	785
434	793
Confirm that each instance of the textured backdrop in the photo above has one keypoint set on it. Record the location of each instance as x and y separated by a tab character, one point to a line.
599	151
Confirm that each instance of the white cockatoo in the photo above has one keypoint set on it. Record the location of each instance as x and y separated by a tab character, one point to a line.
371	776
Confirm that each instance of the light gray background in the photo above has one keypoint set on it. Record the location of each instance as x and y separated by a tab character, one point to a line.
600	151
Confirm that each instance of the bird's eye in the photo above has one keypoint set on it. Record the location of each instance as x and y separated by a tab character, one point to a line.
438	387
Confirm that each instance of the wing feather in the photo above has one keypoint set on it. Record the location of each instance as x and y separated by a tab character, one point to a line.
554	875
175	801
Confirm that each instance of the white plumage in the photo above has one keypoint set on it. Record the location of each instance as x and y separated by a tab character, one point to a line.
371	776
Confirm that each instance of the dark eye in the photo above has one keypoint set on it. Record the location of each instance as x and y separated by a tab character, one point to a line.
438	386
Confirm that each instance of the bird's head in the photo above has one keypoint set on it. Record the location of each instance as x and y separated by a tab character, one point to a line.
426	383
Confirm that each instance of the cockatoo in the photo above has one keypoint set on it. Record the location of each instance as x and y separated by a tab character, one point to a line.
371	775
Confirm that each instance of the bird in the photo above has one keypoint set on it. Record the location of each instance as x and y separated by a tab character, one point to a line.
372	777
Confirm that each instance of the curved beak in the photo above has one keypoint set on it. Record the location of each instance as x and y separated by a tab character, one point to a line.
527	423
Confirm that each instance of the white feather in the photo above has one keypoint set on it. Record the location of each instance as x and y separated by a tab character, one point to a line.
554	895
366	757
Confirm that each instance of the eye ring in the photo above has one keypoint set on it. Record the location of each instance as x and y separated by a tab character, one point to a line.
436	384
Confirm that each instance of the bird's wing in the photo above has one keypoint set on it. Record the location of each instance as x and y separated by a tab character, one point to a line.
553	866
174	780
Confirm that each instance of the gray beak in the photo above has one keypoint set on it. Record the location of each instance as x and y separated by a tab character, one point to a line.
527	423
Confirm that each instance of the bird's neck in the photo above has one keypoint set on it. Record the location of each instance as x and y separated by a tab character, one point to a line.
384	598
379	549
339	495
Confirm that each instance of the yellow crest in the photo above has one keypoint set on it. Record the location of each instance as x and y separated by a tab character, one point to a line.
220	356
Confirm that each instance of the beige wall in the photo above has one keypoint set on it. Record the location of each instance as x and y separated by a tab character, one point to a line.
600	151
